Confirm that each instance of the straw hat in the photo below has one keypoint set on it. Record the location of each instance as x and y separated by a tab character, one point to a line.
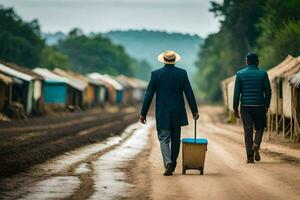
169	57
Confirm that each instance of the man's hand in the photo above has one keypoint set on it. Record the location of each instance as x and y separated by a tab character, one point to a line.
143	119
195	116
236	114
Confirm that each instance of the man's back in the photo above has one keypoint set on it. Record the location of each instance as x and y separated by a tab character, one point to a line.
252	86
169	83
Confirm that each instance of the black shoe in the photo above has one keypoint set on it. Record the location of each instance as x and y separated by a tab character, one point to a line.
250	160
256	152
173	167
256	155
169	170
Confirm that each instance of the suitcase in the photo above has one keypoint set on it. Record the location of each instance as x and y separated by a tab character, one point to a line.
193	153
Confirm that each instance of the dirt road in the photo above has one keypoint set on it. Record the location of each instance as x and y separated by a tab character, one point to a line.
227	176
129	166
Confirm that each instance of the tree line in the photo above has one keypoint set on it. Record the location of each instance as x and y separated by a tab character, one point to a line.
269	27
22	43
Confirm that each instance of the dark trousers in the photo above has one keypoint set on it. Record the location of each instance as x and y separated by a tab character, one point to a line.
169	144
253	117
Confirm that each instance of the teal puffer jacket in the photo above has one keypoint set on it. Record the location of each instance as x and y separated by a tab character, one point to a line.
252	87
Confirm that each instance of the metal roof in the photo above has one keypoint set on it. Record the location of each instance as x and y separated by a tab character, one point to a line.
72	80
85	78
24	70
49	76
15	73
293	68
133	82
141	83
106	79
130	82
5	79
123	81
280	68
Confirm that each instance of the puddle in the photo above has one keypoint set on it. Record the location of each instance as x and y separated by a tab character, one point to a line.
107	175
82	169
62	162
109	179
53	188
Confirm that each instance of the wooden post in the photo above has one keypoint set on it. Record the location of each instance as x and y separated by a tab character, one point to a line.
283	127
276	119
10	94
291	127
276	122
272	123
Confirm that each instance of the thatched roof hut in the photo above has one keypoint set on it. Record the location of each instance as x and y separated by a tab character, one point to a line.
293	67
77	93
115	89
23	90
227	86
294	82
282	95
274	75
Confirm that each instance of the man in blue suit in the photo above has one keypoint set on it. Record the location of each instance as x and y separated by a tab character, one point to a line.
169	83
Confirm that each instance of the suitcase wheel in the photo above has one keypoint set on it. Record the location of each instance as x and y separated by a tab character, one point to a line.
201	170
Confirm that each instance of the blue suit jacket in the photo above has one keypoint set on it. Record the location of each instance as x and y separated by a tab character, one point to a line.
169	83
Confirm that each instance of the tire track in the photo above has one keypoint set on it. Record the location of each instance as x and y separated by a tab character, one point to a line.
17	156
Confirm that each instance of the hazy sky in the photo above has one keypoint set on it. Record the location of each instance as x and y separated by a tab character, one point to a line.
187	16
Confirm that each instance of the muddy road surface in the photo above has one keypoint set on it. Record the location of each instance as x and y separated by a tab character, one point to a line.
129	166
226	175
26	143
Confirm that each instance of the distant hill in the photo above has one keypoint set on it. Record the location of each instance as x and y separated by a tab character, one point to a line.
53	38
148	44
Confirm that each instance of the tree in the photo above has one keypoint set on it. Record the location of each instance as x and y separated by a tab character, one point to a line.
142	69
51	59
224	52
271	28
95	53
280	31
20	41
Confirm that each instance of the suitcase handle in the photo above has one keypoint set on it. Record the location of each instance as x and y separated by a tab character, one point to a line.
195	131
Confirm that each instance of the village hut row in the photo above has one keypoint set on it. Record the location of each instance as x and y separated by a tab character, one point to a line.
26	92
284	112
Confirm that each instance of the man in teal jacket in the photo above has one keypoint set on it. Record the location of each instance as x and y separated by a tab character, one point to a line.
252	89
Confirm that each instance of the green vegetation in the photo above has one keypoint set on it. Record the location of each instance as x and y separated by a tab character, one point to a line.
143	69
22	43
143	46
280	31
146	45
95	53
52	58
269	27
